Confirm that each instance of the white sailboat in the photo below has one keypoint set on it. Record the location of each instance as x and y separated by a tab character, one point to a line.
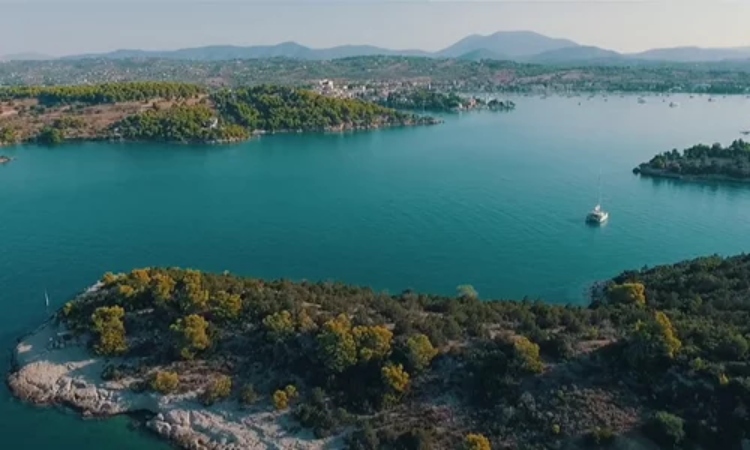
46	299
598	215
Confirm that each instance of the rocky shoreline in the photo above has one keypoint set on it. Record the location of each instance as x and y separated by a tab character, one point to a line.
52	367
645	171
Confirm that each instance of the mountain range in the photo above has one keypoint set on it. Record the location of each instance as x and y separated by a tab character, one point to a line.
520	46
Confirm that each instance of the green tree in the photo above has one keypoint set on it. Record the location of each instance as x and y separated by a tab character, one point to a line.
192	335
337	345
652	341
217	390
476	442
50	136
419	351
373	342
279	326
528	354
666	429
110	330
165	382
628	294
227	306
395	378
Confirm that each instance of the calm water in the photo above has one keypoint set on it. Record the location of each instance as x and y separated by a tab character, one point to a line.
492	200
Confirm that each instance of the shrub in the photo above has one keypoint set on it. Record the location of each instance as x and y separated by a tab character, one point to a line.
248	396
628	294
666	429
218	390
476	442
420	352
108	325
600	436
165	382
282	398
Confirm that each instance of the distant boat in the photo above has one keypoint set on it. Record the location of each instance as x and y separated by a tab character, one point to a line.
598	215
673	104
641	100
46	299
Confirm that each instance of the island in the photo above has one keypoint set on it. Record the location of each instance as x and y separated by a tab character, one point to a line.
180	112
702	162
659	359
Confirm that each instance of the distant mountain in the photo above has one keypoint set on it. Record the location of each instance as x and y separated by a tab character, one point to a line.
26	57
513	44
228	52
693	54
520	46
578	54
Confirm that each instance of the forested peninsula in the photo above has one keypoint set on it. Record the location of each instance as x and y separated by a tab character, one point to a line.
180	112
433	101
702	162
659	359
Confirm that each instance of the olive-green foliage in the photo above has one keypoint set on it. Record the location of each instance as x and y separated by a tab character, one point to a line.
279	325
420	352
50	136
666	429
423	99
165	382
373	342
628	293
599	437
192	335
652	341
110	330
227	306
732	161
217	390
196	123
528	354
278	108
476	442
8	135
248	396
283	397
395	378
337	344
102	93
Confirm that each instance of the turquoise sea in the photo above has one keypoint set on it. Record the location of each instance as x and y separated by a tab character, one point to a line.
492	200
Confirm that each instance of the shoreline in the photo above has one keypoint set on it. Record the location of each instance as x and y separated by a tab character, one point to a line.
649	172
49	367
253	134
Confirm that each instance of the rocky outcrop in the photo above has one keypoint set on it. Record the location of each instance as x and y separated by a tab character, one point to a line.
51	367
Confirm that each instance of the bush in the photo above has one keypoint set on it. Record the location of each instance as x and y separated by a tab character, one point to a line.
282	398
165	382
666	429
248	396
600	436
218	390
476	442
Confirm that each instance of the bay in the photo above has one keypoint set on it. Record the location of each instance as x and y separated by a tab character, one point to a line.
493	200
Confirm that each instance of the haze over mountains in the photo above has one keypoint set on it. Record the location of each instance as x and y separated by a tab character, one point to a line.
520	46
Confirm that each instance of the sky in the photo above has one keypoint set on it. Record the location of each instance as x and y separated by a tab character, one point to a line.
63	27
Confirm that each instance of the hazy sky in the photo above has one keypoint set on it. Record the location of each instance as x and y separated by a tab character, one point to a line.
59	27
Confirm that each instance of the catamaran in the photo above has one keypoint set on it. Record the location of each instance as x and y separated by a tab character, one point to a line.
598	215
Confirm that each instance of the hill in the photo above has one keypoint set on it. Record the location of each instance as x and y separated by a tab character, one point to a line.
232	362
513	44
579	54
693	54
